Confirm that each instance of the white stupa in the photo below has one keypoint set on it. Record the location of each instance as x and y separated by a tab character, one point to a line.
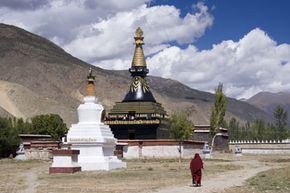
93	138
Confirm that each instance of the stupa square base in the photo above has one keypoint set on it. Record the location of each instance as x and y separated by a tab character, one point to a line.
97	156
65	161
91	166
54	170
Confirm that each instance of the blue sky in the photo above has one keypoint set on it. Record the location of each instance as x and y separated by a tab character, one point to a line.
235	18
244	44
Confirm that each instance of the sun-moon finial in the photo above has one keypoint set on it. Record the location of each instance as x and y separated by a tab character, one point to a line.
90	89
139	32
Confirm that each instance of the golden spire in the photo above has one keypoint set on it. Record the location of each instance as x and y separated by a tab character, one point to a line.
139	59
90	89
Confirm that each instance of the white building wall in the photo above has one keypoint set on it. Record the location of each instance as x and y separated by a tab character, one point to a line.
131	152
256	147
157	151
266	151
189	153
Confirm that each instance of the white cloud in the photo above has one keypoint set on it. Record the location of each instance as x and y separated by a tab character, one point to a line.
112	38
101	33
255	63
61	20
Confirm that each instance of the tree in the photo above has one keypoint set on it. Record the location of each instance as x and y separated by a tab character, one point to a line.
258	130
51	124
281	116
245	132
9	139
20	125
218	110
180	128
270	132
234	129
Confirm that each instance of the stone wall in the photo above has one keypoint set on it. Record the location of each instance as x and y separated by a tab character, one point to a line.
40	149
261	147
39	154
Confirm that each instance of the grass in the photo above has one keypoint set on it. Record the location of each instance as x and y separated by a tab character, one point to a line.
140	175
275	180
271	181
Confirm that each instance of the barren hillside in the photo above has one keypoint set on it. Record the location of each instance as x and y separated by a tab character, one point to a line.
36	77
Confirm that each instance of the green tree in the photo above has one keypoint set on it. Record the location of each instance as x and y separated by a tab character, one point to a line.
218	110
51	124
180	129
9	140
258	130
281	116
234	129
20	125
245	132
270	133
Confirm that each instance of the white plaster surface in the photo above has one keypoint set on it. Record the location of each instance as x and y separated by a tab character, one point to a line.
262	148
65	161
266	151
95	140
20	156
157	151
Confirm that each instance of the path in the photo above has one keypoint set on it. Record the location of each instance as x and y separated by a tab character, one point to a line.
215	184
31	179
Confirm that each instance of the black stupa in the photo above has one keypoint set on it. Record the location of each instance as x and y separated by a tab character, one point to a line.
138	116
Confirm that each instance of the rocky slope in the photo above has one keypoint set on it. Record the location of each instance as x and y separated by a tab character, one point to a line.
36	77
268	101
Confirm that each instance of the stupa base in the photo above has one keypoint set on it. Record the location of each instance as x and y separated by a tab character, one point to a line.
110	165
97	157
68	170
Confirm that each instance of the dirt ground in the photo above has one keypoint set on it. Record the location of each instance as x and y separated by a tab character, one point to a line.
222	181
145	176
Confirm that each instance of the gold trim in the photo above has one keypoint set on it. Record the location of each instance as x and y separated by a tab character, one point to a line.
132	122
136	81
138	58
90	88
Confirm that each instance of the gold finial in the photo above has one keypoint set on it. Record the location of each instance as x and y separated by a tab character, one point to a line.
91	89
139	59
139	32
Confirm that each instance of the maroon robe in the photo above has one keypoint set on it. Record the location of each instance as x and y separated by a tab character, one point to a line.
195	167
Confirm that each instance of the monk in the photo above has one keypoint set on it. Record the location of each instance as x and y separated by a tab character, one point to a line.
196	165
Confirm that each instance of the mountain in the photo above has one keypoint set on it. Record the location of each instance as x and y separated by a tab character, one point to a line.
268	101
4	113
37	76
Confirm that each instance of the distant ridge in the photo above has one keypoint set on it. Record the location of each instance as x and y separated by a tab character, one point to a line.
268	101
4	113
40	77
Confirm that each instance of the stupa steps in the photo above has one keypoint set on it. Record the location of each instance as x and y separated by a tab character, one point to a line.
138	110
139	105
